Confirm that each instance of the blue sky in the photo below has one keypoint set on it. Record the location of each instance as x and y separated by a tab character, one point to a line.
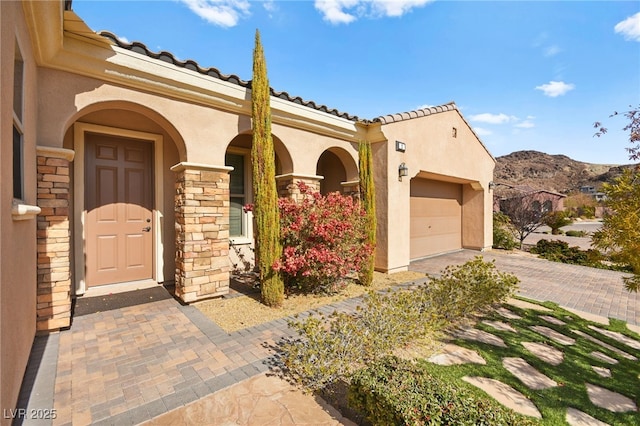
526	75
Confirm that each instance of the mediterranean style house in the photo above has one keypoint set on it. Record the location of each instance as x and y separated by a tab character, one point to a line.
127	165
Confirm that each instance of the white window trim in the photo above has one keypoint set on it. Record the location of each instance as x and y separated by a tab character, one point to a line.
247	218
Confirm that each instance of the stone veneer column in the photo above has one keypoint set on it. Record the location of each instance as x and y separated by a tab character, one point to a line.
53	310
202	231
286	184
351	188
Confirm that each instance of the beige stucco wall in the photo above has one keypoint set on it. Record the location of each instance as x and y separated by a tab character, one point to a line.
18	242
433	152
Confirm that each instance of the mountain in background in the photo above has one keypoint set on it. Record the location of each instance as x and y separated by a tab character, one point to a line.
557	173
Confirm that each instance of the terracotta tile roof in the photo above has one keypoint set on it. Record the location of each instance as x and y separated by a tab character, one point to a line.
394	118
140	48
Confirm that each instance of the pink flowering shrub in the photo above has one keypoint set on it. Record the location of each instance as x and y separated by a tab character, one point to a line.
324	239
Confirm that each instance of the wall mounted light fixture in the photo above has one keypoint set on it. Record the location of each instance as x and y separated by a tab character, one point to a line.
492	185
401	146
403	170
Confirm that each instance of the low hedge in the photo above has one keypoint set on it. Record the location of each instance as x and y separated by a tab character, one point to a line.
398	392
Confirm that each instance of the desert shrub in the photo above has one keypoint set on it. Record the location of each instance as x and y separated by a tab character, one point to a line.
466	289
556	220
502	232
324	239
559	251
332	348
575	233
397	392
588	212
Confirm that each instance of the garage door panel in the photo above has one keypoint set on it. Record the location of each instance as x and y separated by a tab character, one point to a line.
436	217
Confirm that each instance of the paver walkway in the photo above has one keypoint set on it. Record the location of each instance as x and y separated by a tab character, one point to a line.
130	365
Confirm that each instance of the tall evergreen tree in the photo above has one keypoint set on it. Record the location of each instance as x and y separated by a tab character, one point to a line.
265	196
368	197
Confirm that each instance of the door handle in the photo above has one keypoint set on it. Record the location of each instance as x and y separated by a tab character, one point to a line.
146	229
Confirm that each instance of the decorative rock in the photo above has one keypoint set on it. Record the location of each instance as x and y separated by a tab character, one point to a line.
527	305
532	378
602	372
605	345
604	358
499	325
480	336
632	343
578	418
609	400
453	354
552	320
505	395
634	328
507	313
553	335
545	352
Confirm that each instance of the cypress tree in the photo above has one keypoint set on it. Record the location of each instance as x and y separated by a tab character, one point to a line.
265	196
368	198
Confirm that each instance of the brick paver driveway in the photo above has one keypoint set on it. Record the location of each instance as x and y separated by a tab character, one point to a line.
596	291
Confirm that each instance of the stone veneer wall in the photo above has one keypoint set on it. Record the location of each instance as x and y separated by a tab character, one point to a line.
53	234
286	185
202	231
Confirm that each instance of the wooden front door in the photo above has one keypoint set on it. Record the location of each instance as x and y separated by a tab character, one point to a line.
119	209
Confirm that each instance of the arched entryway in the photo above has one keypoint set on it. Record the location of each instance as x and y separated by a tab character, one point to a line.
123	214
338	169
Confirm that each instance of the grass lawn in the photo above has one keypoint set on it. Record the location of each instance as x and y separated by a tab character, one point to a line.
571	375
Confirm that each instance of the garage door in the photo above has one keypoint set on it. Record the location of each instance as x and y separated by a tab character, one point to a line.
436	217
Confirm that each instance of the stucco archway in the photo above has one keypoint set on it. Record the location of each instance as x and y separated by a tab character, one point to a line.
337	167
128	124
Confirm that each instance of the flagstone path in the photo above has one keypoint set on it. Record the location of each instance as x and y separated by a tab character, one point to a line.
533	379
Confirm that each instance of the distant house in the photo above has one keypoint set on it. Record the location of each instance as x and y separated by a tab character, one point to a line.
128	165
539	200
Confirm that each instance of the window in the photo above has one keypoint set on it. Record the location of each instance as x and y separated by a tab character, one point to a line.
547	206
238	198
18	152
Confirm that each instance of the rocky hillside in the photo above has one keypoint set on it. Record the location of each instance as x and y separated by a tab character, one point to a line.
553	172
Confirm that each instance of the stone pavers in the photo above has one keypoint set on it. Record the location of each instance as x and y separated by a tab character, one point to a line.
546	353
595	291
506	395
533	379
452	354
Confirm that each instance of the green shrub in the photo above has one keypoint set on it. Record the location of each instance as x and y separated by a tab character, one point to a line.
396	392
472	287
556	220
574	233
332	348
502	232
559	251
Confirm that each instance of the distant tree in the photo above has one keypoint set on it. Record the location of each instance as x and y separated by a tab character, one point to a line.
368	198
633	127
524	212
620	232
556	220
265	196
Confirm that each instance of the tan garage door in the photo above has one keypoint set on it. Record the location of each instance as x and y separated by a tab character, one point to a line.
436	217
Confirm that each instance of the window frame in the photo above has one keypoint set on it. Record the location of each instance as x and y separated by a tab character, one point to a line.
247	217
18	125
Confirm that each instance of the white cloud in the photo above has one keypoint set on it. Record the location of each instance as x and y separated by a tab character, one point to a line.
629	28
552	50
346	11
425	106
555	88
492	118
224	13
482	132
526	124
